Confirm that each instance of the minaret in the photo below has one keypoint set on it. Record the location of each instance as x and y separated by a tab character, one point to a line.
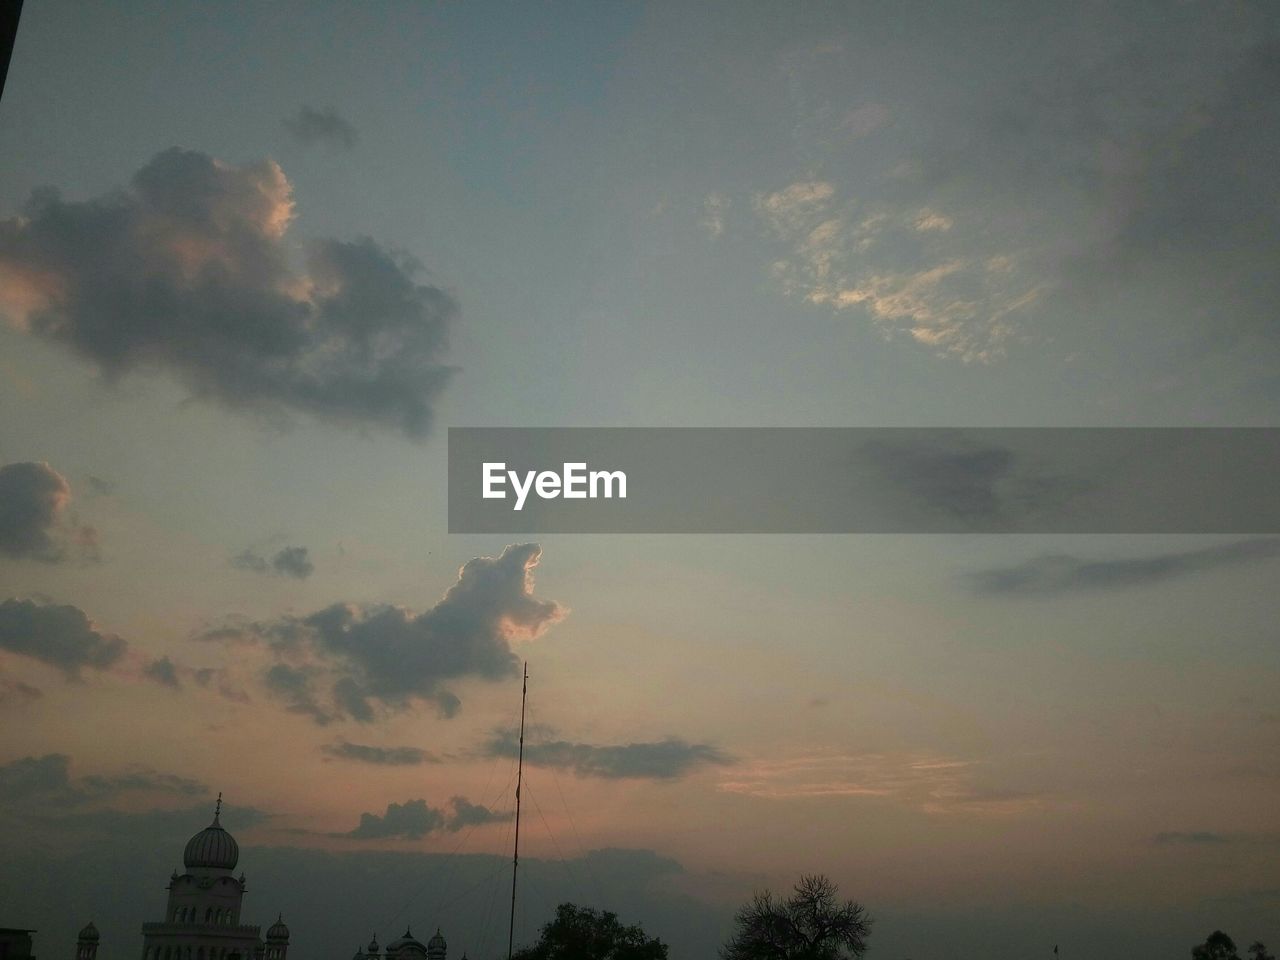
277	940
436	947
87	943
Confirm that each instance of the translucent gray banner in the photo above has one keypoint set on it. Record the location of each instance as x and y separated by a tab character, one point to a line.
863	480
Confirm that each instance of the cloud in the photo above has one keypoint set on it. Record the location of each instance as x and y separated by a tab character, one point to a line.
1063	573
33	501
954	294
978	483
17	691
59	635
99	486
324	126
1194	838
932	784
467	814
714	209
381	756
37	782
358	661
667	759
1194	210
414	819
290	561
162	671
187	272
293	562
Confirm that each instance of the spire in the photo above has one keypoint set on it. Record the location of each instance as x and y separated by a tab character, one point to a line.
217	809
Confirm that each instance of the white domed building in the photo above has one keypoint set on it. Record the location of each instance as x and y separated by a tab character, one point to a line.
202	917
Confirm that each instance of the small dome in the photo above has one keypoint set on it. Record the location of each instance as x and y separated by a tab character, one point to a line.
359	954
373	944
89	933
278	930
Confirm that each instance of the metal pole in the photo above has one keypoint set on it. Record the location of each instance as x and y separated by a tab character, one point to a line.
515	859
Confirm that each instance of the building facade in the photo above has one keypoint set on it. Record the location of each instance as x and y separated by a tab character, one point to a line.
202	916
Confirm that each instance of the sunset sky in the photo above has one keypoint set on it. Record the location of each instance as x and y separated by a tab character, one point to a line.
255	259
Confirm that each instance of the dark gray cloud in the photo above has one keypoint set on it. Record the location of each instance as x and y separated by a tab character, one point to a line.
410	820
321	126
1064	573
17	691
38	782
414	819
163	671
187	271
357	661
59	635
1194	838
977	483
666	759
382	756
101	487
290	562
33	500
293	562
467	814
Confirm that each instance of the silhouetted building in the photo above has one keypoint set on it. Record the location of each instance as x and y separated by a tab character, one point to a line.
87	943
15	944
202	917
407	948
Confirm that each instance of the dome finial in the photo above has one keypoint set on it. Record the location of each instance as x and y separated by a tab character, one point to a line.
217	808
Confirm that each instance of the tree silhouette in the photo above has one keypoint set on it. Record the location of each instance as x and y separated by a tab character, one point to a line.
1258	952
1217	947
582	933
811	924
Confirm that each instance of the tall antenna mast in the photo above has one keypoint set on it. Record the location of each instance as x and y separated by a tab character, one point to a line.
515	859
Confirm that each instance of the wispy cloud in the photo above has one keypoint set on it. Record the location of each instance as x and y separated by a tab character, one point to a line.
934	784
380	756
666	759
1193	838
289	562
1062	573
914	271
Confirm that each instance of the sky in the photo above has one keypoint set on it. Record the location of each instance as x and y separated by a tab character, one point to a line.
256	259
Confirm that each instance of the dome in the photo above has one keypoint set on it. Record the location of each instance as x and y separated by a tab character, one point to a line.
373	944
406	941
212	848
278	931
436	945
89	933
